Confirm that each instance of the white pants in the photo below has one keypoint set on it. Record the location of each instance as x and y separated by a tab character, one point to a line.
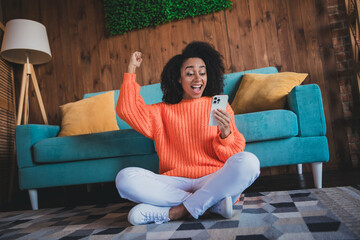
143	186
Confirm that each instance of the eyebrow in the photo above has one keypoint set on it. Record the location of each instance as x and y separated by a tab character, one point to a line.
202	66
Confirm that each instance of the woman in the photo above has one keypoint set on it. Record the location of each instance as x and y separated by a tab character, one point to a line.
201	167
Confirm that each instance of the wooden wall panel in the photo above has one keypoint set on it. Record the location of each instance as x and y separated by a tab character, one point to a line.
284	33
293	35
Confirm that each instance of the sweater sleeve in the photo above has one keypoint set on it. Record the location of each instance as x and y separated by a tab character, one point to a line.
230	145
133	110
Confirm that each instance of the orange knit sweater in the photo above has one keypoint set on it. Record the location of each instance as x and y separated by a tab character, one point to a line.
186	145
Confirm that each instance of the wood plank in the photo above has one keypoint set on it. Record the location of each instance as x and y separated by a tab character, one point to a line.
240	37
84	50
298	35
165	32
118	57
178	36
284	36
154	39
257	16
71	18
90	20
195	25
221	38
271	36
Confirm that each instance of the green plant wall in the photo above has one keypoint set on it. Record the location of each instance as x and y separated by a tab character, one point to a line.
125	15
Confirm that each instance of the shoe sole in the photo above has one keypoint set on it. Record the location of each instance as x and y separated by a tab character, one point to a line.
130	219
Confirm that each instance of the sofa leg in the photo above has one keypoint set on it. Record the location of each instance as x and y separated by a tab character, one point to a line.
317	173
88	188
33	194
299	168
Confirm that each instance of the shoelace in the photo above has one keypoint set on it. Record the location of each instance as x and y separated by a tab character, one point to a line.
158	218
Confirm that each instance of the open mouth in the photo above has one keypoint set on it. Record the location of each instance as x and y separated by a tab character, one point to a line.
197	88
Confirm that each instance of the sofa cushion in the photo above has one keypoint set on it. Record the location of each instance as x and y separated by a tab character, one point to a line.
260	92
92	146
267	125
91	115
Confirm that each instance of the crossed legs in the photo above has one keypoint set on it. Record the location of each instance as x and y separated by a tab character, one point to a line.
185	195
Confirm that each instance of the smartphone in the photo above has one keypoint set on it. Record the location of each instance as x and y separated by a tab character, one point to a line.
218	102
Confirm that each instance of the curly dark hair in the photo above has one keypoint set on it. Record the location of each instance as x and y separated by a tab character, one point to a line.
170	86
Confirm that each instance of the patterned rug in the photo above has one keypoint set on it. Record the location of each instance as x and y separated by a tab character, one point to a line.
328	213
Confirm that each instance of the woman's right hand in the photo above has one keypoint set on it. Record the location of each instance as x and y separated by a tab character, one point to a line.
135	62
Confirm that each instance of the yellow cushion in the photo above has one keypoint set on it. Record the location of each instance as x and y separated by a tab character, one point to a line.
89	115
260	92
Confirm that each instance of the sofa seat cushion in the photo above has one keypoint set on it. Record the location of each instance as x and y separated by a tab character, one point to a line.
267	125
92	146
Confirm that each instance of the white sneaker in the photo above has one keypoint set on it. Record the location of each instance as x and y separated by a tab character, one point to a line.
145	213
223	208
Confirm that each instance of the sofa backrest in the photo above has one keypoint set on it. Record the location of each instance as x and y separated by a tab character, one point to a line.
152	93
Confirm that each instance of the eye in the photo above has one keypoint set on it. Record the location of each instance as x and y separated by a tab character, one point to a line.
202	73
189	73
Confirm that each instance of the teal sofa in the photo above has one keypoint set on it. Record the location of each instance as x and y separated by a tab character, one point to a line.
295	135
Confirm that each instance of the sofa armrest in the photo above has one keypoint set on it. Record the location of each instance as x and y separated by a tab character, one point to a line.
26	136
306	102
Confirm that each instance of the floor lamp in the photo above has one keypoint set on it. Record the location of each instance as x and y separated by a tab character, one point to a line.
25	42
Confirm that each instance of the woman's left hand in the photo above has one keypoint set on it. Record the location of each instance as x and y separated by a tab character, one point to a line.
223	118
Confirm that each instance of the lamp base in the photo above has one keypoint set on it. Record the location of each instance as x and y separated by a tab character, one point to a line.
28	73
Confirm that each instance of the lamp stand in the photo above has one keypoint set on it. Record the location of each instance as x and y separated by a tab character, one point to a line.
28	73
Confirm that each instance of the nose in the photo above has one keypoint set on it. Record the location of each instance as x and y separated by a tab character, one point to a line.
197	76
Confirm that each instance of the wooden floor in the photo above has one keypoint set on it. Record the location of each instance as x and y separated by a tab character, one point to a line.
106	193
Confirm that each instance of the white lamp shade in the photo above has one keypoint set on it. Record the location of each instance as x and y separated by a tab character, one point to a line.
25	38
